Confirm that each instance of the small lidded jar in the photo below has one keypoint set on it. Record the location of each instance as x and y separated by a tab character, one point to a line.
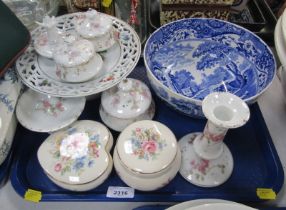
97	27
76	60
128	102
146	155
78	157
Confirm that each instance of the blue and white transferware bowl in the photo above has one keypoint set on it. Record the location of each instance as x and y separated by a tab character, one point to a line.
190	58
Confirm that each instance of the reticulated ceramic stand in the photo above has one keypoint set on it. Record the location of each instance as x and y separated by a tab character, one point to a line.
206	160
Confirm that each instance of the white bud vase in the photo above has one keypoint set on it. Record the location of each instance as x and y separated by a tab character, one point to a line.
206	160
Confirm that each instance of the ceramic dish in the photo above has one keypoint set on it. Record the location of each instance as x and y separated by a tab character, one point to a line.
80	73
220	206
280	44
182	71
193	203
283	25
42	113
96	27
10	88
120	60
78	155
128	102
145	183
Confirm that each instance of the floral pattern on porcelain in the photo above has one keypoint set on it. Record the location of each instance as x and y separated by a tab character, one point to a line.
147	143
201	168
211	136
92	24
42	40
129	99
136	90
51	107
72	52
74	151
200	171
4	150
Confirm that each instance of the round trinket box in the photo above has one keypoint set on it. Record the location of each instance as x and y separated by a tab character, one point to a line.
77	158
73	53
96	27
76	60
147	152
126	103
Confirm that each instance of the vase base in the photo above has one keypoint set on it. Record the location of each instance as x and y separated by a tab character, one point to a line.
202	172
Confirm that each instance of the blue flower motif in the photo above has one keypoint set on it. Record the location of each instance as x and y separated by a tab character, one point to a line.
79	163
71	131
7	102
94	137
90	163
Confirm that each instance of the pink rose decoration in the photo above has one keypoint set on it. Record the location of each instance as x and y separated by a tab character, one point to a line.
46	104
149	146
204	164
60	106
58	167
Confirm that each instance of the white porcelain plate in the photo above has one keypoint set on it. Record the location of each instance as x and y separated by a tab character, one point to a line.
220	206
41	113
280	43
124	56
197	202
76	74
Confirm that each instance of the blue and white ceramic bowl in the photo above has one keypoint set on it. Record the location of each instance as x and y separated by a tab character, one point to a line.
190	58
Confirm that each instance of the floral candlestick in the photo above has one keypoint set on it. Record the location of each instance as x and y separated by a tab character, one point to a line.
206	160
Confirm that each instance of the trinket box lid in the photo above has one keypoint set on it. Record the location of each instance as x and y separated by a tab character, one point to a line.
129	99
146	147
73	52
76	155
92	24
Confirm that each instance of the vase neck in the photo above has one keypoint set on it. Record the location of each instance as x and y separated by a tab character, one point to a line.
213	133
210	144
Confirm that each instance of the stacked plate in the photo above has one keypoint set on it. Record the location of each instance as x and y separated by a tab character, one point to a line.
280	45
210	204
280	38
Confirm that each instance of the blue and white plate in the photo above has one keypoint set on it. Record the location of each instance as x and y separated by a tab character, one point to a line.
188	59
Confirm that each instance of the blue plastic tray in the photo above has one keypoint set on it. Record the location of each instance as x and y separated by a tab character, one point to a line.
163	207
256	163
5	167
